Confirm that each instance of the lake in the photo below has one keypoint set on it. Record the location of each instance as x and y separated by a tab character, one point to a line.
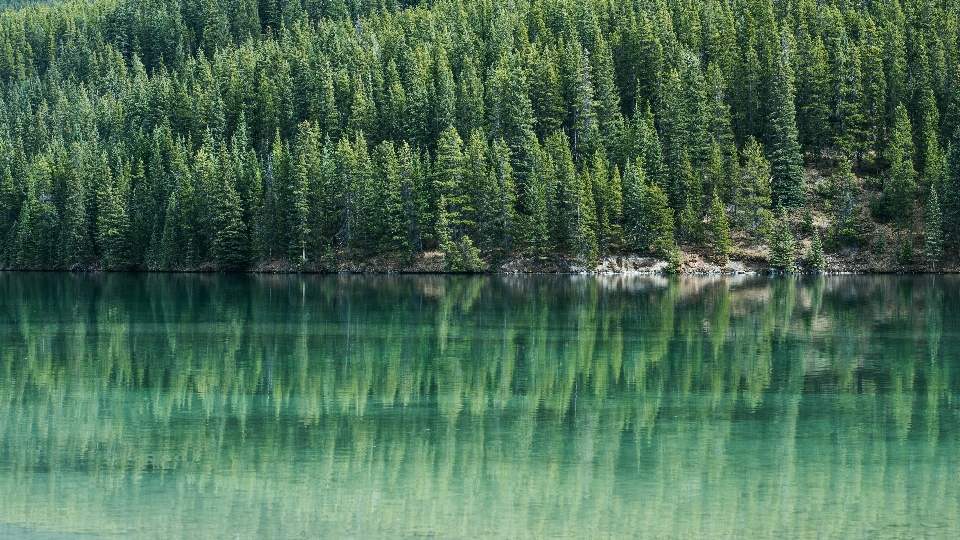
259	406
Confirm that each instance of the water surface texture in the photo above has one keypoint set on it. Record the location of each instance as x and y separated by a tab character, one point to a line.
164	406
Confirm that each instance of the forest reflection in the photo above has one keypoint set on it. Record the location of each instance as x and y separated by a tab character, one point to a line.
472	406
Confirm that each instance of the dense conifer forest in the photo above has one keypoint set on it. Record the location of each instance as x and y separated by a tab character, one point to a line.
161	135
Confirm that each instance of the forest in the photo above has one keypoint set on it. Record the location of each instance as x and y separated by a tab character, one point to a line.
227	134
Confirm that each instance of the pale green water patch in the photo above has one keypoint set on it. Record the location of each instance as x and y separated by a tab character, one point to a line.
508	407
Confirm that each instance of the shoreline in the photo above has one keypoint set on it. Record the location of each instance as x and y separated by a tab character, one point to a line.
625	264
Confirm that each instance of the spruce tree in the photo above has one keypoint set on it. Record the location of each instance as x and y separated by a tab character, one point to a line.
719	229
459	254
633	207
786	162
658	221
501	197
74	241
455	210
782	245
752	197
950	192
536	226
231	241
815	258
933	231
896	202
113	224
391	221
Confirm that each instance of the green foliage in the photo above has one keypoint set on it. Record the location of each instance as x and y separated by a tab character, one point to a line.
786	162
781	244
180	135
658	224
905	252
896	203
933	231
950	191
459	254
751	198
719	229
113	225
815	258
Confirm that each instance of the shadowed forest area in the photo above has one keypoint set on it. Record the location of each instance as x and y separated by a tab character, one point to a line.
230	135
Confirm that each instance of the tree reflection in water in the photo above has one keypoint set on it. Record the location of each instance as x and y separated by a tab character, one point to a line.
201	405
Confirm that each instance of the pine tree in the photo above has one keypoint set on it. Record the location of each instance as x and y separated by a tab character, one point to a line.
500	194
933	231
905	252
456	208
752	198
410	177
573	219
647	147
460	254
391	219
113	223
719	229
231	241
306	155
781	244
813	102
896	203
34	239
815	258
658	222
633	208
786	162
584	239
950	199
546	93
74	240
9	210
536	226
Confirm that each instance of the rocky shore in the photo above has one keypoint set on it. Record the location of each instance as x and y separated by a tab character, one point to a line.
741	262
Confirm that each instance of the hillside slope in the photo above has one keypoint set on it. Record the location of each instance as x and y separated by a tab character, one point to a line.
463	135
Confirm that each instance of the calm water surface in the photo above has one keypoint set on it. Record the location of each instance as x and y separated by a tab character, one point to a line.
163	406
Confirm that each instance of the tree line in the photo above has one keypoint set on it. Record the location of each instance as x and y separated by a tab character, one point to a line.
210	134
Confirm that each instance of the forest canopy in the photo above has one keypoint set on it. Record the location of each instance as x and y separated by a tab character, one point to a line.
160	134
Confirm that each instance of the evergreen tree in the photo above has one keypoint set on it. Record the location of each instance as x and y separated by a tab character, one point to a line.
500	196
34	241
719	232
815	258
460	254
113	225
752	197
933	231
896	203
391	220
536	226
633	207
74	241
455	218
125	156
573	219
782	245
786	162
950	199
231	243
647	147
658	222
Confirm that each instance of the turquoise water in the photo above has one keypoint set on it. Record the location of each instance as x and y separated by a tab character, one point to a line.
163	406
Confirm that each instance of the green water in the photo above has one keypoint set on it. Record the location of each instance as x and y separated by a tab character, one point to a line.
199	406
